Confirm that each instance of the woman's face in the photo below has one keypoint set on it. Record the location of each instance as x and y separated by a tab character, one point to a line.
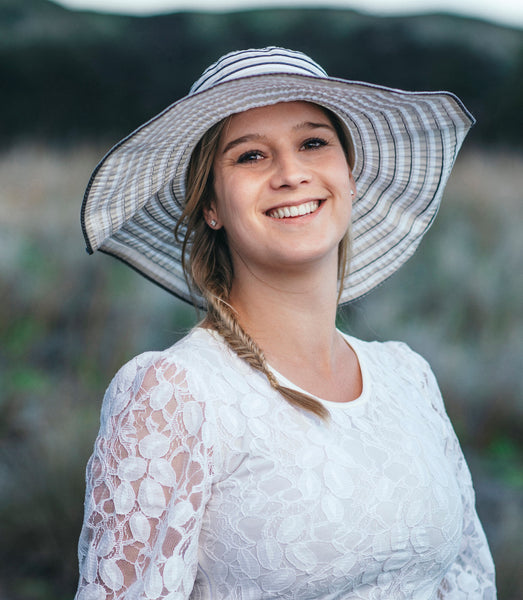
281	187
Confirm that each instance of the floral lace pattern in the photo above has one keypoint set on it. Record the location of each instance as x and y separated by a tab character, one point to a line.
205	484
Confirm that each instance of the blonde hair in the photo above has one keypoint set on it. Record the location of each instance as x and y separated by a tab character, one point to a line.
209	270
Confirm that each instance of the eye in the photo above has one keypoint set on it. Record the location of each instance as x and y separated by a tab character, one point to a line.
250	157
314	143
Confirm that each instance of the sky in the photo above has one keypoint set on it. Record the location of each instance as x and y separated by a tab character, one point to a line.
507	12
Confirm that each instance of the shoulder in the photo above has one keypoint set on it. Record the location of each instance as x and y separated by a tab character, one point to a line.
393	355
395	363
198	367
196	350
153	407
174	371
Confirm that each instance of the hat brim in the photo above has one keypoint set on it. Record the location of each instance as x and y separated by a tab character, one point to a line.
405	145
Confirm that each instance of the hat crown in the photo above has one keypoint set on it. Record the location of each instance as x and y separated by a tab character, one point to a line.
245	63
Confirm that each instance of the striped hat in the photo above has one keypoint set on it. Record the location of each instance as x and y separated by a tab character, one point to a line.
405	146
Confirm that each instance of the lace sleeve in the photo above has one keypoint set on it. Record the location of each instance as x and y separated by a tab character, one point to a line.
148	482
471	576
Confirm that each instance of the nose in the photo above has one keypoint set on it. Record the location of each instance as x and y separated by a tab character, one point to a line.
289	171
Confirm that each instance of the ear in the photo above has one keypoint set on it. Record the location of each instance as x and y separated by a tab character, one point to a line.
352	184
211	216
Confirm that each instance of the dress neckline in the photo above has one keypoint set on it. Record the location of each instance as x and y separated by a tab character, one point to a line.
354	343
330	404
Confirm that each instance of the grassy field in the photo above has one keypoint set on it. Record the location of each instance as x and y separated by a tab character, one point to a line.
68	321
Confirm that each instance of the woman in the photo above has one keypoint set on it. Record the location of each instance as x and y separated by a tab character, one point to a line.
268	455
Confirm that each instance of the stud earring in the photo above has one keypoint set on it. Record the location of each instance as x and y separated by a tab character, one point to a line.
214	223
352	192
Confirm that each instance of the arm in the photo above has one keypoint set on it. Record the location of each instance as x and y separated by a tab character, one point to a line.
471	576
148	482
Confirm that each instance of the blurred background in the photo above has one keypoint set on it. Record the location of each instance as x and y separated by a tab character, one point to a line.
73	82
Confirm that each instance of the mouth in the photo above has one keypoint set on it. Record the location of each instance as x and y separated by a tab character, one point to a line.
298	210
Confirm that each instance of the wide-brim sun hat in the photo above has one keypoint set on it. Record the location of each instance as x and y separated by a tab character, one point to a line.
405	146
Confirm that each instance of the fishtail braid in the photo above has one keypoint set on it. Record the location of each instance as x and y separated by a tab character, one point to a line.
221	317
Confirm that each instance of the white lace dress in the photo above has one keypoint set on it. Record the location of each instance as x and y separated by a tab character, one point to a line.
204	483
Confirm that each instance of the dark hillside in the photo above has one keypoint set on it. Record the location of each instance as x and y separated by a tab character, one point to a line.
75	74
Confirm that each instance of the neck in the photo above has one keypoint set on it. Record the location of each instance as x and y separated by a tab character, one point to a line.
291	316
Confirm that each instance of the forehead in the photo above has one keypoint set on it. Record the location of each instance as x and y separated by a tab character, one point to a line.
275	116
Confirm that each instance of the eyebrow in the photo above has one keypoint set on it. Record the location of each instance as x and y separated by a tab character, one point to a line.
250	137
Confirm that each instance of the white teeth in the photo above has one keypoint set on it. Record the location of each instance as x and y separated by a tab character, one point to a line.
295	211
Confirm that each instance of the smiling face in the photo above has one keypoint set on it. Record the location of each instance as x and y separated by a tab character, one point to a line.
282	187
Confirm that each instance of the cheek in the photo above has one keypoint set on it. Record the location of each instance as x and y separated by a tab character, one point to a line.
221	197
342	180
233	196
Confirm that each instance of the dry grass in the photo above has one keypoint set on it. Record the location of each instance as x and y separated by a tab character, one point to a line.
42	187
